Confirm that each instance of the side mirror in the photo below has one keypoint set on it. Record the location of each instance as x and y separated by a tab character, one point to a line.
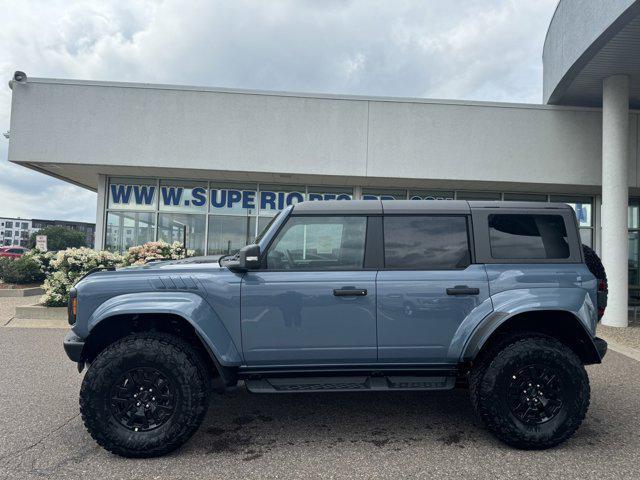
248	259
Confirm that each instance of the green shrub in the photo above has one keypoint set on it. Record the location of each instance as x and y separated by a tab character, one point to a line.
22	271
4	261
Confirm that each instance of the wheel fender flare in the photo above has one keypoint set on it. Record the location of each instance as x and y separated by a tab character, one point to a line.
190	306
509	304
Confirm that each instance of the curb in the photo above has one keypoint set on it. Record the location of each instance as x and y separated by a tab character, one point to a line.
40	323
39	312
20	292
630	352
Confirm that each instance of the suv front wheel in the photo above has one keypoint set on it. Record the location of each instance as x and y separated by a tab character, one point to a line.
532	394
145	395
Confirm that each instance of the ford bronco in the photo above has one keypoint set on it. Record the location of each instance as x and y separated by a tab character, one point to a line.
361	296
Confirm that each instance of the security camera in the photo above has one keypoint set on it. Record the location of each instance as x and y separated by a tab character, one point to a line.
20	76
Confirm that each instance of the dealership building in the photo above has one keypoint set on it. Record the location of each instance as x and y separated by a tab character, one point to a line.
211	166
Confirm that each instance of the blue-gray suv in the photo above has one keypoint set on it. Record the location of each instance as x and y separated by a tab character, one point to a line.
351	296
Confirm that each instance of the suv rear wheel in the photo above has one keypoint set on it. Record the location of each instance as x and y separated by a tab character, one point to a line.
145	395
532	394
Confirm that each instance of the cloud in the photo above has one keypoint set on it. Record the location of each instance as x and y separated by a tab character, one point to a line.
466	49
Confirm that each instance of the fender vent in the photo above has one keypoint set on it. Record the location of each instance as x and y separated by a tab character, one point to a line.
175	282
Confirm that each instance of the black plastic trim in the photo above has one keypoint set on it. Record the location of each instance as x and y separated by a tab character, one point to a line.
73	346
336	370
374	248
601	346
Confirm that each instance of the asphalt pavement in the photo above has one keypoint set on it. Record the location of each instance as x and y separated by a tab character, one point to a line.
351	435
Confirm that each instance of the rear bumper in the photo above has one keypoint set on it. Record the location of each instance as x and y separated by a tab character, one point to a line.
73	346
601	347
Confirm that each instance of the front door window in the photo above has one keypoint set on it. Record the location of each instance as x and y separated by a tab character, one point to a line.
319	243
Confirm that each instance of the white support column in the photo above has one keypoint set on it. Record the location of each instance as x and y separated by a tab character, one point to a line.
615	196
101	212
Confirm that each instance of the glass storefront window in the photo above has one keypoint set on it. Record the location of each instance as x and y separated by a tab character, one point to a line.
273	198
236	212
329	193
632	216
183	196
634	257
525	197
128	229
431	195
234	199
229	233
479	196
132	194
383	194
174	227
633	213
581	205
586	237
262	223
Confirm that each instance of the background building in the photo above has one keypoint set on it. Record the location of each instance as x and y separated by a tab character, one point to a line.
89	229
211	166
15	231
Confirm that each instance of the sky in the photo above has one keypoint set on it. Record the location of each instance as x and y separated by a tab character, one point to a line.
452	49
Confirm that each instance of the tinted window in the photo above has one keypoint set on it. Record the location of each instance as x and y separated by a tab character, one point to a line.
426	242
528	236
319	243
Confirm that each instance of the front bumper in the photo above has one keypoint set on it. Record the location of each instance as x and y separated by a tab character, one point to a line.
73	346
601	346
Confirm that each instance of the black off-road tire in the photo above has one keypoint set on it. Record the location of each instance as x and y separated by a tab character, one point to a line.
594	264
181	364
489	385
483	360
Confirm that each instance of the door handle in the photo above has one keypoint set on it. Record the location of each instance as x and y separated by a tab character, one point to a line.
349	292
462	290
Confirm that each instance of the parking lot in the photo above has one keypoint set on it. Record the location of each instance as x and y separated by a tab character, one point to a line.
358	435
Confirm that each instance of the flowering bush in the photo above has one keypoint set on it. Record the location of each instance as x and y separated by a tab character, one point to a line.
43	259
67	266
155	251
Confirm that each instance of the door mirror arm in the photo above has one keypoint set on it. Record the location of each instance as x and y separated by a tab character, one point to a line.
248	258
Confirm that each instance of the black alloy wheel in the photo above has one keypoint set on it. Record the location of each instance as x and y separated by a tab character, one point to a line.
534	394
143	399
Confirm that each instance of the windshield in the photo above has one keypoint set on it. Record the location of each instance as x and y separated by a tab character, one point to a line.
266	229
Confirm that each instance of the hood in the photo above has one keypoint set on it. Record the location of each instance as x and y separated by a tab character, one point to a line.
210	261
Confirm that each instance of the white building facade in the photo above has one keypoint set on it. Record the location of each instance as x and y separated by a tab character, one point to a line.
15	232
211	166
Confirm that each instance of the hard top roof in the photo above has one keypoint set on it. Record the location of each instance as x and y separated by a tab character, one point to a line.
377	207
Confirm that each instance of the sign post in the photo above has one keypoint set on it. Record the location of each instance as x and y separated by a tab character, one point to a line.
41	243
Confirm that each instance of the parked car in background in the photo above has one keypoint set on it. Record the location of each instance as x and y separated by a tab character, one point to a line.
12	251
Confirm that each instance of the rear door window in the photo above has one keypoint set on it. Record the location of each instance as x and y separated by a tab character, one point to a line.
426	242
521	236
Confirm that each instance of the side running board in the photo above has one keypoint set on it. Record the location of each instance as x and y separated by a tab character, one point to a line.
341	384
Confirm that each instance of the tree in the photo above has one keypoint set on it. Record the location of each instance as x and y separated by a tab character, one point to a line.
60	238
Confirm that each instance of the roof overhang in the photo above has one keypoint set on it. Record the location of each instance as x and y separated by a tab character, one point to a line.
586	43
